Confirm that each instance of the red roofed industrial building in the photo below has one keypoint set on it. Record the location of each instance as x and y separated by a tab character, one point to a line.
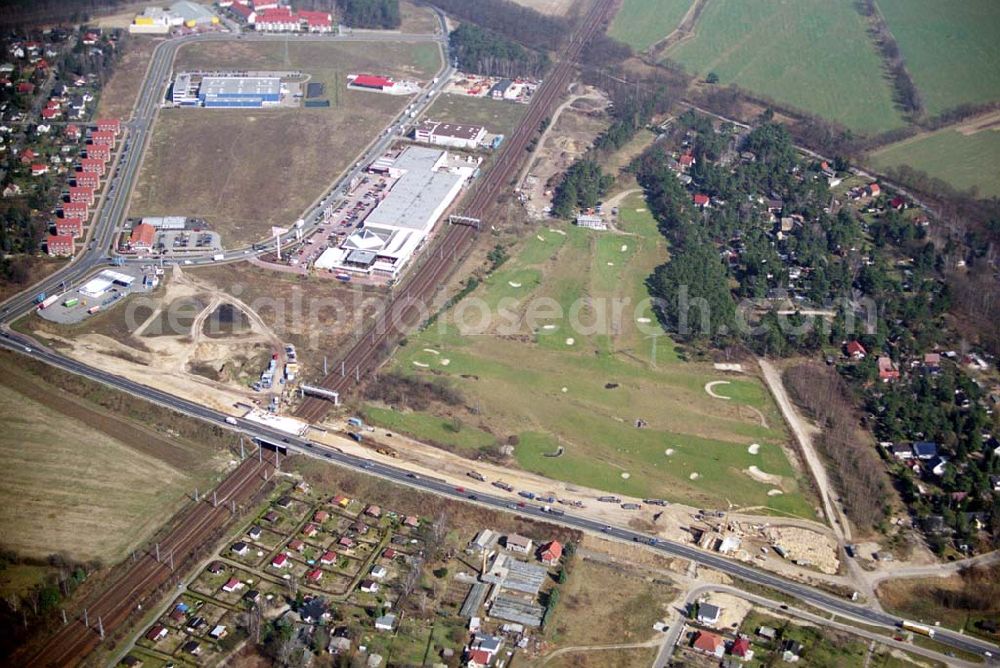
69	227
95	165
371	81
142	237
59	245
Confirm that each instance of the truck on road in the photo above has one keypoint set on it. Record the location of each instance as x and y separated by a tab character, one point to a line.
500	484
921	629
218	257
476	475
47	301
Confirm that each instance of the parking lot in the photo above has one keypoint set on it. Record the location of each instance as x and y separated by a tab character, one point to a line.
99	293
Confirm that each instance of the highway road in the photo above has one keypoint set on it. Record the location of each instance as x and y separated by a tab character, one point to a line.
97	254
802	592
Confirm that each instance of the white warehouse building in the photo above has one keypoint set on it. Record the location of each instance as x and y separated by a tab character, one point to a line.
428	181
450	134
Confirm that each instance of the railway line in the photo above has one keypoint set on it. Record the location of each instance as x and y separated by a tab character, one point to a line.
129	589
364	355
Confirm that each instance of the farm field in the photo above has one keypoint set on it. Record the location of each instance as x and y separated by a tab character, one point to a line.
83	482
951	49
232	180
823	62
963	160
577	383
643	23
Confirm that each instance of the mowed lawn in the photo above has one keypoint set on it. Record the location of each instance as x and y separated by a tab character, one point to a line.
559	349
964	161
70	488
246	170
952	49
643	23
814	55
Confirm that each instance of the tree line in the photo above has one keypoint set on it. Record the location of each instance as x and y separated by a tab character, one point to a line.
858	472
373	14
521	24
907	95
485	52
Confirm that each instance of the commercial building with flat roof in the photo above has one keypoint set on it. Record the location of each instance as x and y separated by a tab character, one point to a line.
427	183
239	91
457	135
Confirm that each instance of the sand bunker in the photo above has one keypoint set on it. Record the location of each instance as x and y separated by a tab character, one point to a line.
513	284
669	451
715	383
694	476
431	351
557	231
548	326
626	475
611	264
644	321
565	389
420	364
445	362
640	210
570	341
754	448
774	492
540	237
760	476
624	247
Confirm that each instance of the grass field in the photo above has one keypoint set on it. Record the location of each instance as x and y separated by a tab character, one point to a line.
964	161
951	48
580	380
811	54
118	95
643	23
72	488
498	117
246	170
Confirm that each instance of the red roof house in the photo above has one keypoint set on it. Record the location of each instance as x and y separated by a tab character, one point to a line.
26	88
241	10
280	560
75	210
49	113
741	647
142	237
710	643
310	530
59	245
701	199
233	584
317	21
898	203
83	194
69	227
100	152
874	189
39	168
887	369
328	557
552	552
321	516
27	155
373	511
158	632
105	137
95	165
478	658
314	575
73	131
855	350
296	545
87	179
686	160
108	125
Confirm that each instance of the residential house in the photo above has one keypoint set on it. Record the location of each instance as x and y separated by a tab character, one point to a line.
901	451
59	245
369	586
346	542
218	632
701	200
314	610
709	643
314	575
254	533
855	350
379	572
373	511
310	530
741	648
925	450
551	553
233	584
280	560
477	658
296	544
791	648
216	567
39	169
932	361
321	516
767	632
708	613
887	369
386	622
341	501
71	227
157	633
240	548
937	465
411	521
874	190
517	543
141	239
328	557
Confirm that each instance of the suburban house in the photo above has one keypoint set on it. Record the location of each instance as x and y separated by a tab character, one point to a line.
901	451
240	548
519	544
708	613
887	369
296	544
925	450
551	553
741	648
856	351
280	560
233	584
157	633
328	557
709	643
314	575
321	516
385	622
369	586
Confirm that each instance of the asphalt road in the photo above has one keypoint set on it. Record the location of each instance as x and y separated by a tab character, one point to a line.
399	475
112	215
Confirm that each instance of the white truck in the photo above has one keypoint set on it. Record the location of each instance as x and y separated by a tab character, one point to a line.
230	420
218	257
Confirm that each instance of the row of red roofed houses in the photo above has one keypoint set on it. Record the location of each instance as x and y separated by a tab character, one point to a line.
82	190
267	16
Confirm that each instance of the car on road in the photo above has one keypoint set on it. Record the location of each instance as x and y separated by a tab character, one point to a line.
606	529
411	475
460	490
473	497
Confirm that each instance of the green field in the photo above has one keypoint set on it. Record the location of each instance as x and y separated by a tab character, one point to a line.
814	55
952	49
554	367
643	23
964	161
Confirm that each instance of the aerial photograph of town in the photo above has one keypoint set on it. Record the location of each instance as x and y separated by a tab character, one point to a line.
500	333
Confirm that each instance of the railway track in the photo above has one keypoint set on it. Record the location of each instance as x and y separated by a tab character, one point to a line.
365	354
139	582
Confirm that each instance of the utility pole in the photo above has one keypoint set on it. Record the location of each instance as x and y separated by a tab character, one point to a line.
243	454
64	617
196	495
357	374
342	371
86	619
157	551
171	560
277	461
324	365
100	627
215	499
260	453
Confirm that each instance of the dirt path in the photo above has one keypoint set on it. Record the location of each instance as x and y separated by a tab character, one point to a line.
967	126
655	642
684	31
